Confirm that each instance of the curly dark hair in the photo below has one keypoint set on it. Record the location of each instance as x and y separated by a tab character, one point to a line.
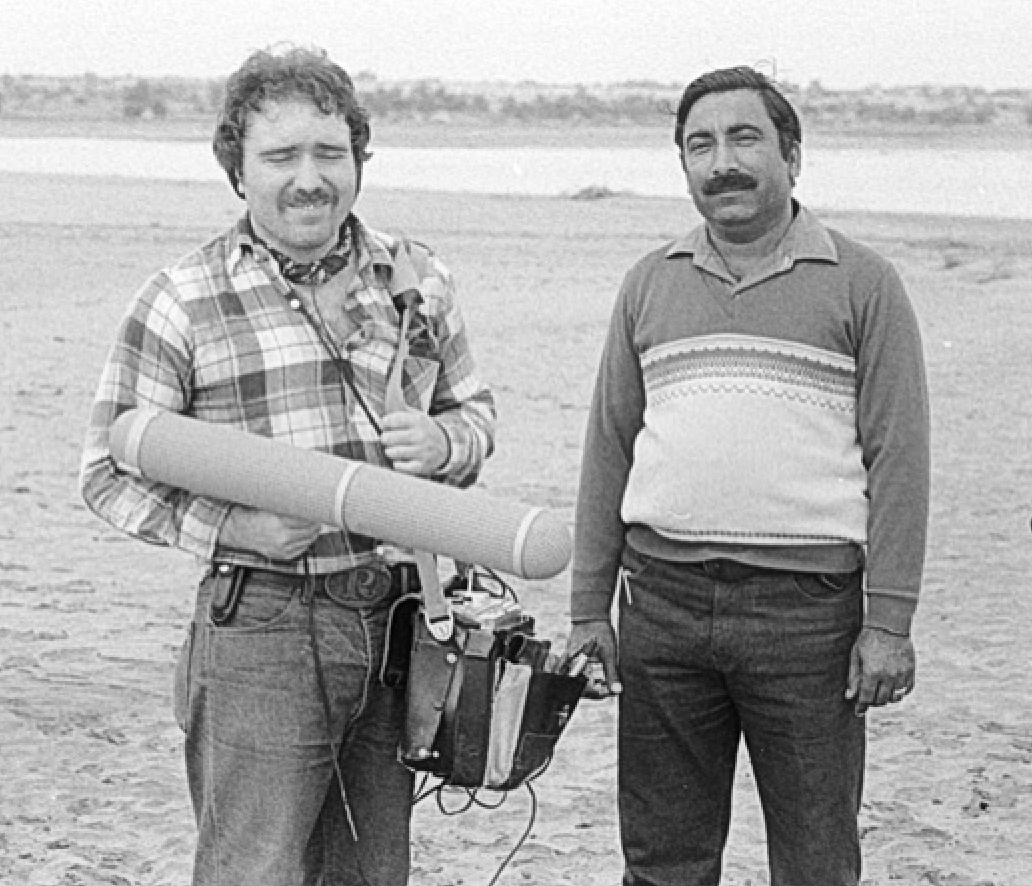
283	74
782	114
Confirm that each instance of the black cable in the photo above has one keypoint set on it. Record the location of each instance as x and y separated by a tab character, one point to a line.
473	799
522	839
347	381
489	806
470	797
422	792
334	744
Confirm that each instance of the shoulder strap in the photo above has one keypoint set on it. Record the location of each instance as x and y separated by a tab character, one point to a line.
405	292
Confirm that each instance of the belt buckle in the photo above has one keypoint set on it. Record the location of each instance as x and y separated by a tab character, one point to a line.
358	585
369	583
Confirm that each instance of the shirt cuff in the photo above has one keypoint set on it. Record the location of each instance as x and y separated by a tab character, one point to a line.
202	524
890	612
446	465
590	605
464	452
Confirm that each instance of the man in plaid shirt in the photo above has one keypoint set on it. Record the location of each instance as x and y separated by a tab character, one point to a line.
288	326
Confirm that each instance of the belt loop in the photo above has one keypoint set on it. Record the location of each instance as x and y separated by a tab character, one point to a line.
309	588
399	579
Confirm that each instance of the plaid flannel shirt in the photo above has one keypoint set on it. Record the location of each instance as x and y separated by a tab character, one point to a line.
222	337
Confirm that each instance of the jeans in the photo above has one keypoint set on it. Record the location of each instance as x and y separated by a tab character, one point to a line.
265	794
705	662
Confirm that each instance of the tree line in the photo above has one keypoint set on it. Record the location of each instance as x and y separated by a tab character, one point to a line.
632	103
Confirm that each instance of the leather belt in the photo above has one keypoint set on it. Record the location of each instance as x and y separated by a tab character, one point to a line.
362	584
732	571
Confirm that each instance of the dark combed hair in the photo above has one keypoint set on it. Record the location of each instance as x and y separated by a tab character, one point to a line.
286	73
782	114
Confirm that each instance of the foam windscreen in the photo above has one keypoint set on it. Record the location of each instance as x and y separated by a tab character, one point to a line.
248	469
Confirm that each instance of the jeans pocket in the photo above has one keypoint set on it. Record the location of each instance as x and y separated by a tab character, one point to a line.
634	565
181	681
261	607
827	587
633	568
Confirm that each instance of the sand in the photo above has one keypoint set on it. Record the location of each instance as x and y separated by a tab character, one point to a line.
92	789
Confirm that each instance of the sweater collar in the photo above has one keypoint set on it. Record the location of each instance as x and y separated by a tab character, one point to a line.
805	240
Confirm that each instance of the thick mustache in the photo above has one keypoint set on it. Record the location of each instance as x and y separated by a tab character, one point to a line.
307	198
732	181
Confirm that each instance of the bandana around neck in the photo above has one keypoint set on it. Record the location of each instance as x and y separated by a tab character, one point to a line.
317	272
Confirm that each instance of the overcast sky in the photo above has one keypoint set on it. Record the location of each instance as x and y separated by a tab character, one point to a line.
842	43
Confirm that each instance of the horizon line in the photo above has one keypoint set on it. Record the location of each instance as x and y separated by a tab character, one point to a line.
365	75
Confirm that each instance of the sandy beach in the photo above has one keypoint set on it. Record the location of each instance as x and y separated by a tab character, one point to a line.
92	787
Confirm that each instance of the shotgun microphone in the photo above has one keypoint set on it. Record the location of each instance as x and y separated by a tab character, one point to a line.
248	469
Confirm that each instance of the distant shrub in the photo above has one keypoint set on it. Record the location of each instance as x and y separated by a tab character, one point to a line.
593	192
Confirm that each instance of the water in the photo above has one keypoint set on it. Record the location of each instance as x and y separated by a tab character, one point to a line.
962	182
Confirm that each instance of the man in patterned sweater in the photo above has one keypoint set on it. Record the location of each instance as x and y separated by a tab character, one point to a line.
755	490
289	325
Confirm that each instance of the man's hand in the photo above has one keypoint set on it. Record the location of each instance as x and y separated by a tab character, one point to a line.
272	536
414	442
605	651
882	669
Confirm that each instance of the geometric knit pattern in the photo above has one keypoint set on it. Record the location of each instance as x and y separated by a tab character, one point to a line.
748	439
750	365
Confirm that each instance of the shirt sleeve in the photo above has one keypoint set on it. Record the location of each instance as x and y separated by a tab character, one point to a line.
148	366
462	404
893	421
614	420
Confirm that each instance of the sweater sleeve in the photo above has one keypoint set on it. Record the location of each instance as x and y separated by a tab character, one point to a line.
893	422
614	420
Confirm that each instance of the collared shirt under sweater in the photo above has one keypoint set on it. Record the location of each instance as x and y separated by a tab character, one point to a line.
781	420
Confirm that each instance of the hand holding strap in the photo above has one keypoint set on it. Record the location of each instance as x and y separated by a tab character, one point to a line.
404	290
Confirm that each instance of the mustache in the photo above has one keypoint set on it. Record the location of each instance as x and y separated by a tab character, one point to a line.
302	198
731	181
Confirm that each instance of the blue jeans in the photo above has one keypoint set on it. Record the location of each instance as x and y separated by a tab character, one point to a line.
268	806
705	662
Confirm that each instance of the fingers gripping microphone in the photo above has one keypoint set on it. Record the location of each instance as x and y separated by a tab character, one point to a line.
249	469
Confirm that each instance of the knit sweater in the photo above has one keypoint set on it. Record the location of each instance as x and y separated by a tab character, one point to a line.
781	421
